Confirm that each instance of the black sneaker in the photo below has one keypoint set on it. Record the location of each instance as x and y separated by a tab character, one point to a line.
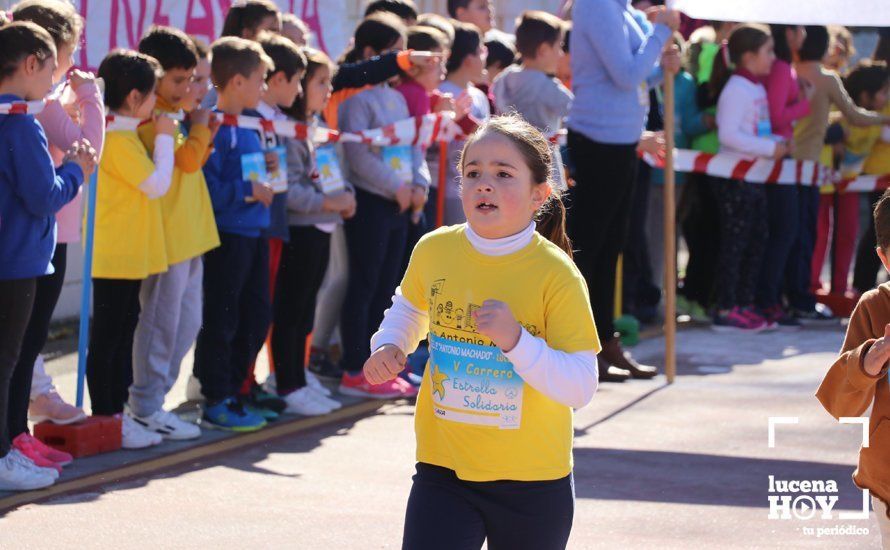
261	399
820	314
322	367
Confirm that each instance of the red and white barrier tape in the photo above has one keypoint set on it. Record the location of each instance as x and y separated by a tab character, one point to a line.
21	108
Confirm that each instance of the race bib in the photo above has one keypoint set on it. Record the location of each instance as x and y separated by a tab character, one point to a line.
474	384
399	158
330	178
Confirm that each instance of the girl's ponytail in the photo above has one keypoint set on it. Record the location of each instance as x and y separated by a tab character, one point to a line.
551	224
720	72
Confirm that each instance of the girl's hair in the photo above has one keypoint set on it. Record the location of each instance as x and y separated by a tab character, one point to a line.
125	71
500	53
379	32
436	21
248	15
422	38
467	39
866	77
747	38
840	33
20	39
538	156
780	41
315	60
59	18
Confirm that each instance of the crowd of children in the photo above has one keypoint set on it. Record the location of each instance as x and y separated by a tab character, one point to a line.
223	238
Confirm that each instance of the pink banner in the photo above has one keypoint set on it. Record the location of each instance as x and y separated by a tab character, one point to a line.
120	23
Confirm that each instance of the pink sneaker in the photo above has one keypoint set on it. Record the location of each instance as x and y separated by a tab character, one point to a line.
24	446
50	406
358	386
737	321
59	457
407	389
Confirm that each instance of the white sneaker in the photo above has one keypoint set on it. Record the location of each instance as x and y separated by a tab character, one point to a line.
193	389
324	400
18	457
134	436
303	401
16	476
313	382
168	425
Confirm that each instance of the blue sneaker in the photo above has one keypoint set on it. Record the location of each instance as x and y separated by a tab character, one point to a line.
229	414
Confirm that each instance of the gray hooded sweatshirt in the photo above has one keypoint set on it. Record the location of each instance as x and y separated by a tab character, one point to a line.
541	99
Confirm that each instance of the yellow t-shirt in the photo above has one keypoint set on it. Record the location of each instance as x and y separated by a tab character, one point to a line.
129	232
474	414
189	224
878	161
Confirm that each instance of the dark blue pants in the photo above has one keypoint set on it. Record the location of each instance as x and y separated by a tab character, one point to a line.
375	239
868	265
446	513
701	231
797	282
237	311
783	220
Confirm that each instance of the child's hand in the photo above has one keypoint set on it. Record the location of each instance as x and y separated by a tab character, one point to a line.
78	78
164	125
403	196
384	364
349	211
878	354
338	202
783	149
495	320
200	117
271	162
214	124
82	154
418	198
263	193
462	104
445	103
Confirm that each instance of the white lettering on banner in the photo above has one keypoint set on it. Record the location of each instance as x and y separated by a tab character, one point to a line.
120	23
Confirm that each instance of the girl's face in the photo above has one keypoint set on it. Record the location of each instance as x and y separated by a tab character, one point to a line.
294	33
878	101
430	75
38	77
65	61
498	195
479	13
760	62
318	90
795	37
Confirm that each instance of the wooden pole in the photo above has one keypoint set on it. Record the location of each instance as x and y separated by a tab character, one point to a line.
670	237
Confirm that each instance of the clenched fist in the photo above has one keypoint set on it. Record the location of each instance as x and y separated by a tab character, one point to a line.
385	364
495	320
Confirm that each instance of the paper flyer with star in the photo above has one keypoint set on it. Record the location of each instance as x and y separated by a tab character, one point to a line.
474	384
398	157
329	176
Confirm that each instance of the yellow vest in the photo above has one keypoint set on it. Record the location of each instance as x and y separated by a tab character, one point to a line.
474	414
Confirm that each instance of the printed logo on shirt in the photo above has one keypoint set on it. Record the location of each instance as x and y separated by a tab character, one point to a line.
471	381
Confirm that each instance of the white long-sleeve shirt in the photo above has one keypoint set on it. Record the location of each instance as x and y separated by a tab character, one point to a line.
743	124
567	378
157	184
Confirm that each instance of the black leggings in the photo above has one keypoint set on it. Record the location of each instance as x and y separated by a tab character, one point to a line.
597	218
110	359
49	287
16	303
743	235
701	231
304	261
447	513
